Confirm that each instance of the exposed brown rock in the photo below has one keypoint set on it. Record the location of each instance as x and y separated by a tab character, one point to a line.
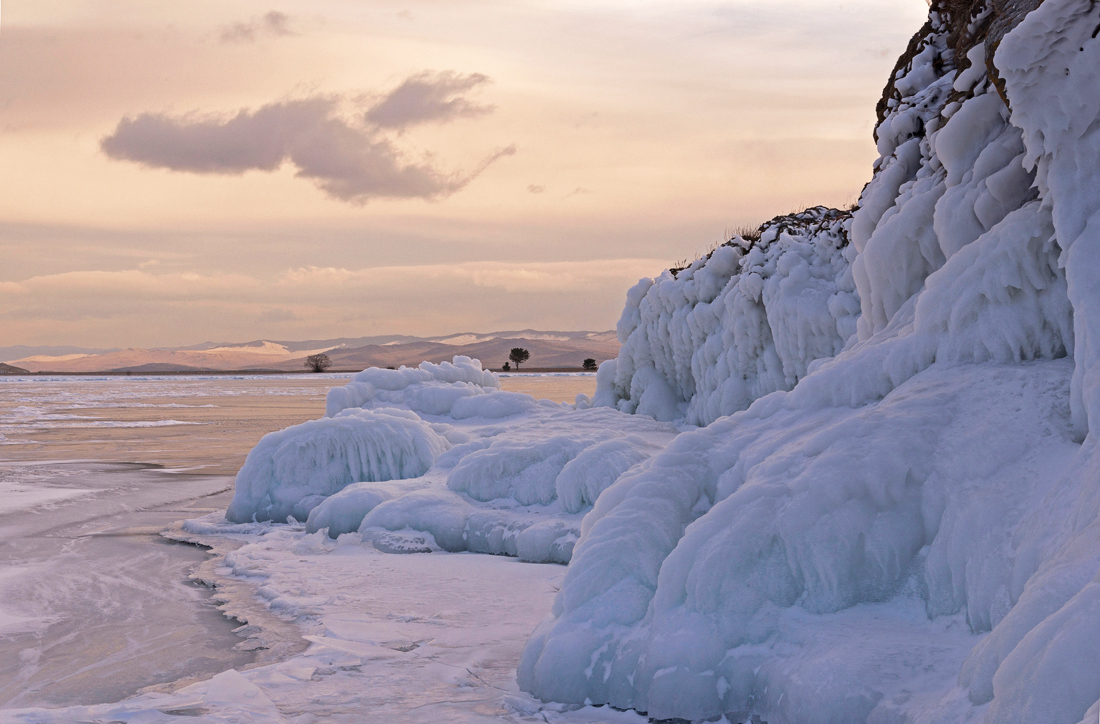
968	22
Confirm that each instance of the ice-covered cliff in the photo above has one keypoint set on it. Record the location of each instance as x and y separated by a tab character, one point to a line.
747	320
753	317
898	519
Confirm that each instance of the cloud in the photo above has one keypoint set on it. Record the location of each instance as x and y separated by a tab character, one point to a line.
272	23
349	161
508	277
141	308
535	189
277	316
310	283
131	284
428	97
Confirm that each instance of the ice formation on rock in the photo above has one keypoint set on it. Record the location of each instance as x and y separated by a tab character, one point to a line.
746	320
916	479
290	471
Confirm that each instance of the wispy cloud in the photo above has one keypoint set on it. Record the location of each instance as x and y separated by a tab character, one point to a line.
270	24
277	316
232	304
300	284
350	158
428	97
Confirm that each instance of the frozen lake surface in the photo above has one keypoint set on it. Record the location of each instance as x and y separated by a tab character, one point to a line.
96	605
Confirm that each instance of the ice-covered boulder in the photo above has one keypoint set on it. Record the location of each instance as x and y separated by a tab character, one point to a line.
525	473
595	469
431	389
525	494
344	511
291	471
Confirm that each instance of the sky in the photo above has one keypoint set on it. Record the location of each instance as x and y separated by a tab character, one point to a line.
174	173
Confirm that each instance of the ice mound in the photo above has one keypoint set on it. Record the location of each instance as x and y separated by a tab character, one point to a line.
432	389
291	471
906	528
432	520
344	511
584	478
439	458
525	473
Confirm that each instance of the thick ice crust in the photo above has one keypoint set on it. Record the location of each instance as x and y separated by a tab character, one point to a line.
704	577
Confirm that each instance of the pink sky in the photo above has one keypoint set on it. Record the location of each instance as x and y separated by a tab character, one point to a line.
180	172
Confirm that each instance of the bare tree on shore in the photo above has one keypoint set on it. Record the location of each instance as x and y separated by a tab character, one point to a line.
519	355
318	362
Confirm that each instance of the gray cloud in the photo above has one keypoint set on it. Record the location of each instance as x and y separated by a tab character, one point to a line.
273	23
348	160
428	97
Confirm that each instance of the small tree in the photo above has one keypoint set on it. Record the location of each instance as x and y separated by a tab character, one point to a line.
519	355
318	362
506	367
589	364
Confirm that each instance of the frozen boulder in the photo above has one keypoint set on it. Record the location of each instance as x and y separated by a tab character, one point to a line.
595	469
525	473
343	512
290	471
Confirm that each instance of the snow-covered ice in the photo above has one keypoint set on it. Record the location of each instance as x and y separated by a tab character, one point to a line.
390	638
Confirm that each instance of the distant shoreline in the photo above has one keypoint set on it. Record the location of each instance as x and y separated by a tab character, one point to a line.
206	373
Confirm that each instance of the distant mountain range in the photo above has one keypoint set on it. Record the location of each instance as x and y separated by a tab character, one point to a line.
564	350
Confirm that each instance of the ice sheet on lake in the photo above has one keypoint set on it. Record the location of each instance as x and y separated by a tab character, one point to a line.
411	639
